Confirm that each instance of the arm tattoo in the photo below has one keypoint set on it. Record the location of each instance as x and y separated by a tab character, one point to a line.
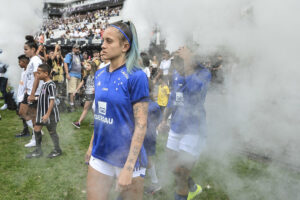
140	111
136	150
129	168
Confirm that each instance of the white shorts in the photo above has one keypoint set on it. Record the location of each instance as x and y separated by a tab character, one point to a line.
190	143
110	170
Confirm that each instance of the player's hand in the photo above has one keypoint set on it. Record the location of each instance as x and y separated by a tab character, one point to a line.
45	118
68	76
124	179
30	98
57	46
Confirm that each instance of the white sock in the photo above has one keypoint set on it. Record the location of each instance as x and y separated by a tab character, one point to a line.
29	123
71	104
152	174
33	136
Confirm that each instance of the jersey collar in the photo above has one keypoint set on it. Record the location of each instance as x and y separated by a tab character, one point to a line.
107	68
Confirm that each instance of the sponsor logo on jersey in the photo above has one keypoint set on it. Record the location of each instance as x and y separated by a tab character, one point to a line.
102	106
103	119
179	101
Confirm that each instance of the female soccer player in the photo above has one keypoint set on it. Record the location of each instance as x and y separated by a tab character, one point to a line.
188	123
121	107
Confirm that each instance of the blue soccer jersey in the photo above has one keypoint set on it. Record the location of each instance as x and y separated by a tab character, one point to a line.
115	94
177	83
187	103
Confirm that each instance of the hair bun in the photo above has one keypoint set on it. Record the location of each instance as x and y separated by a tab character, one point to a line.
29	38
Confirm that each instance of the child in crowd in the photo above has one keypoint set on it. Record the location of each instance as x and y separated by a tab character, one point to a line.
96	57
47	114
23	62
163	93
104	62
88	82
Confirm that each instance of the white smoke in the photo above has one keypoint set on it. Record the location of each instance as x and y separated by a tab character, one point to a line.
260	107
17	19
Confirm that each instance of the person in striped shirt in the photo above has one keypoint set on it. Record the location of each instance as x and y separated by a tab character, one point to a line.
47	114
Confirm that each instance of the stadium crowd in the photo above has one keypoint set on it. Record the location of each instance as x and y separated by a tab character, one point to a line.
53	81
88	25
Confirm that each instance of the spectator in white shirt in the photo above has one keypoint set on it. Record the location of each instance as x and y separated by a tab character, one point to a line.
165	63
145	62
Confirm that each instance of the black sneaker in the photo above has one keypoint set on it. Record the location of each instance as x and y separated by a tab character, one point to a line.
54	153
35	154
23	134
76	124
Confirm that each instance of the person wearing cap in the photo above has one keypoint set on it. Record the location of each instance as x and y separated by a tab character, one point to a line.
73	63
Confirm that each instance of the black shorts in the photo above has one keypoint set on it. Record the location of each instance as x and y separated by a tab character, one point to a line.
51	123
51	127
25	99
89	97
31	104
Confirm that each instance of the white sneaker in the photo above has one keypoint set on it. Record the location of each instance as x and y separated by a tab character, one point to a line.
32	142
4	107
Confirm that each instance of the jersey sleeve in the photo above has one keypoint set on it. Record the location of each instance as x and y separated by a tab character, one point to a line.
37	61
68	58
51	90
138	87
200	80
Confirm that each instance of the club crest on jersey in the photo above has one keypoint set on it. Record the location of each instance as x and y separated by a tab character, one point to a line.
102	107
124	74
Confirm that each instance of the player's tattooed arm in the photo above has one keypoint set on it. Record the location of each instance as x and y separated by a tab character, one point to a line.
140	111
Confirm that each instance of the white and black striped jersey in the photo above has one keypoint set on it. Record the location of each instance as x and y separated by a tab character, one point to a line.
48	92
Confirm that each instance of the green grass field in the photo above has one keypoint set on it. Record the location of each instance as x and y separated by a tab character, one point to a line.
65	177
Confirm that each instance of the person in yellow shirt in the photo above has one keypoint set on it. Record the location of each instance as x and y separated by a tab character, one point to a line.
163	94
